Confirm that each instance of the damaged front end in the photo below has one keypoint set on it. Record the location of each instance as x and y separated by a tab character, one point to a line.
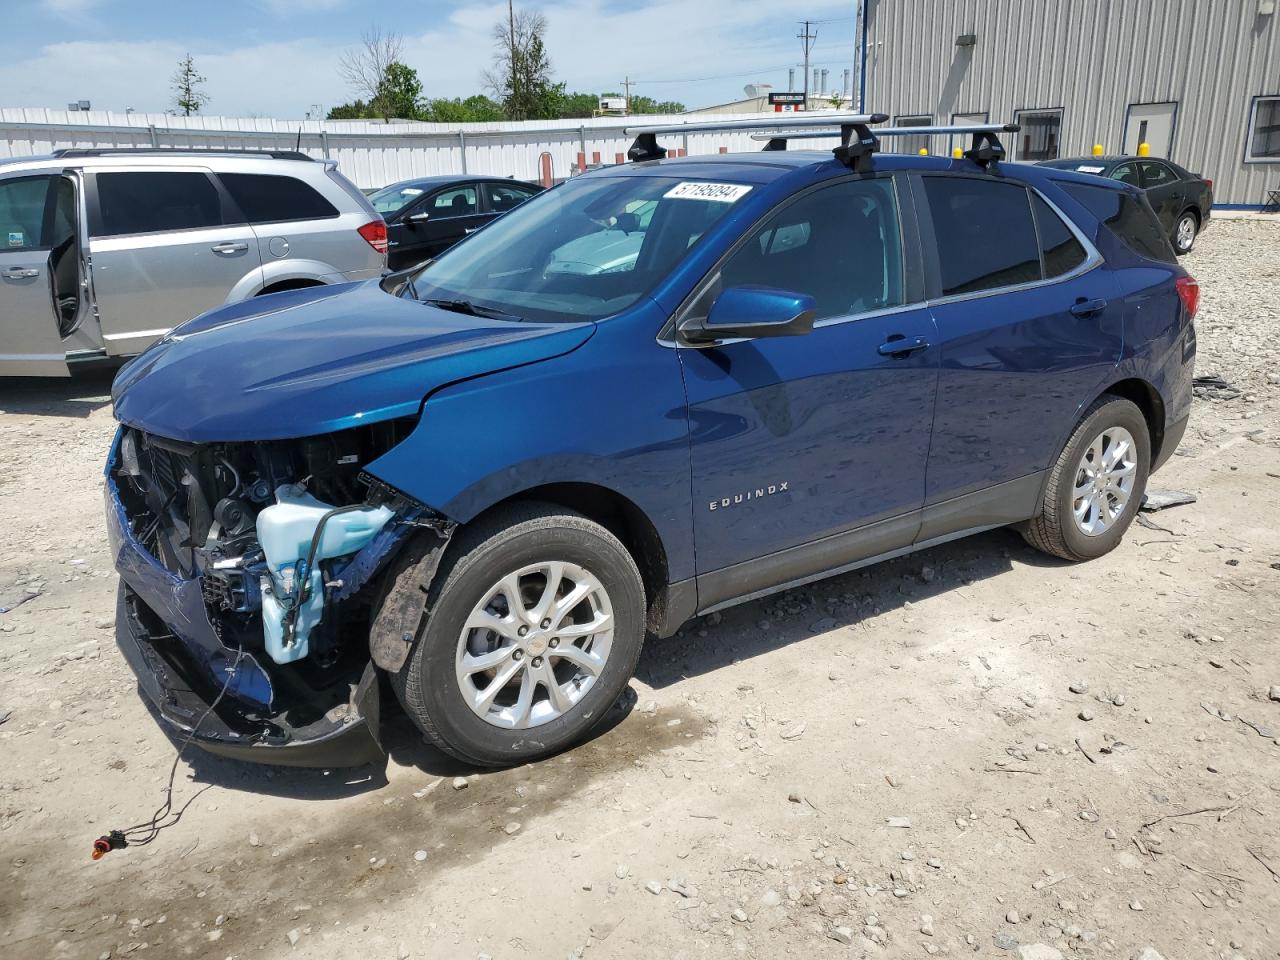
254	568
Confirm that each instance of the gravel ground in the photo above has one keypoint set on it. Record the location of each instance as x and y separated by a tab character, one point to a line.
975	750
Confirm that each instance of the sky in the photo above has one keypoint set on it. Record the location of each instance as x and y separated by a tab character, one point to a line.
278	58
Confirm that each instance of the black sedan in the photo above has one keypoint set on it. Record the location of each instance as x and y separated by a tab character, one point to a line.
427	216
1180	199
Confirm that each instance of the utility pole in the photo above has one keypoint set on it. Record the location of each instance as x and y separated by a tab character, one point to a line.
806	39
511	26
626	92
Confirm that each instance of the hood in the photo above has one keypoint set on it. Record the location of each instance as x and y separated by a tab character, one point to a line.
318	360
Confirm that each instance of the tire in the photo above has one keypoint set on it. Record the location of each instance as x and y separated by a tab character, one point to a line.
1056	529
431	685
1185	232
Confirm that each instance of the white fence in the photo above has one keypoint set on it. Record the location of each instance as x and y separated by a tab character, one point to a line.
370	154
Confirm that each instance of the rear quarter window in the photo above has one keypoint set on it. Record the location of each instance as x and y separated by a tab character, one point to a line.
1128	217
272	198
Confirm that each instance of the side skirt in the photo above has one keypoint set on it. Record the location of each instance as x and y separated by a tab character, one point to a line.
938	523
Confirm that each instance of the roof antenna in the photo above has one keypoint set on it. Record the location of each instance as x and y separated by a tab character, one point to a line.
298	146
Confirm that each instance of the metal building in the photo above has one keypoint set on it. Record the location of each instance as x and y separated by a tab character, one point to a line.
1199	80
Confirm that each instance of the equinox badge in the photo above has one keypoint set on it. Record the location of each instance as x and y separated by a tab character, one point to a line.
755	494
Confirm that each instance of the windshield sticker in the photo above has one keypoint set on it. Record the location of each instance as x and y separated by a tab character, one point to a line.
411	192
16	238
1090	169
719	192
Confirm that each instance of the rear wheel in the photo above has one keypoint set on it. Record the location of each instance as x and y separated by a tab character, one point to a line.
1184	233
1096	485
537	619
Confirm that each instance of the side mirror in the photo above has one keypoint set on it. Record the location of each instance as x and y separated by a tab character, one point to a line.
751	312
416	218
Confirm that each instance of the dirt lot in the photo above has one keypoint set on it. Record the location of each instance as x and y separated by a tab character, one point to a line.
890	763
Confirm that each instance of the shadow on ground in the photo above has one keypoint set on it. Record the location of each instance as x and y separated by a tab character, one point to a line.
75	397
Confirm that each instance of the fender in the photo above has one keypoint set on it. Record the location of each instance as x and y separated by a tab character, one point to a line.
257	280
611	413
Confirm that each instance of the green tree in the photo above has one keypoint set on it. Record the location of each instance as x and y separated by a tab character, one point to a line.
187	95
474	109
399	94
355	110
642	104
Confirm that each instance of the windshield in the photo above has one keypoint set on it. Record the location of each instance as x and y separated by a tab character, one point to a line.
583	251
393	199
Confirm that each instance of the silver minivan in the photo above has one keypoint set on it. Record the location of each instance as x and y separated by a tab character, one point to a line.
104	251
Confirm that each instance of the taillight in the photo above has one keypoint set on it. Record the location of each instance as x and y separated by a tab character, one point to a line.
375	232
1188	293
1208	183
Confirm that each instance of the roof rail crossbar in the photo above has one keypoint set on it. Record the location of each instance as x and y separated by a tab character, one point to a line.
69	152
646	146
856	153
985	150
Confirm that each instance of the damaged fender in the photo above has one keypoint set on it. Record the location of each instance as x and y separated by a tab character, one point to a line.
405	606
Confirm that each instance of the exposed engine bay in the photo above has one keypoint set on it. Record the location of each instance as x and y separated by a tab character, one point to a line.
286	539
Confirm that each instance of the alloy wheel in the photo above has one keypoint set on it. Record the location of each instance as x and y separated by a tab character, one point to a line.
1104	481
535	644
1186	232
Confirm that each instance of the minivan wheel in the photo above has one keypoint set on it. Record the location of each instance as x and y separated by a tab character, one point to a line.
537	620
1096	485
1184	234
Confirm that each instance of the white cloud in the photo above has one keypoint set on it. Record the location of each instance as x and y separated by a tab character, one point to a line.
285	8
591	49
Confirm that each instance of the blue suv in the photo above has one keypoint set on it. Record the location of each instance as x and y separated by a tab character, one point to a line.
654	391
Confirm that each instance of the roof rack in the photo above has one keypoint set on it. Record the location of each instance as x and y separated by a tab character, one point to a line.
857	143
985	150
66	152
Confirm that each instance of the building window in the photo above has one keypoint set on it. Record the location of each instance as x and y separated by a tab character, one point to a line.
1264	130
910	143
1041	129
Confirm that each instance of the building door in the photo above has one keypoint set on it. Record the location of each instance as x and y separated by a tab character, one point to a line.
1152	124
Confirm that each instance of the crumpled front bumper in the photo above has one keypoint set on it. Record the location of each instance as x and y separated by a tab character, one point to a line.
164	632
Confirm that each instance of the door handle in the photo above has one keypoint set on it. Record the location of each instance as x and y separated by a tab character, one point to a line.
900	346
21	273
230	247
1084	308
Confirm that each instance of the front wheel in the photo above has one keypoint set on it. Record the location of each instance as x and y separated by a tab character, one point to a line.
537	620
1096	485
1184	233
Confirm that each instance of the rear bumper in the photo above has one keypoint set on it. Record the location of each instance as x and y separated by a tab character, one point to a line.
164	632
1172	437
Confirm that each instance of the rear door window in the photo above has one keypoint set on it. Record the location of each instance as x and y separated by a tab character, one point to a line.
131	202
841	245
985	234
1059	248
22	208
1129	217
272	198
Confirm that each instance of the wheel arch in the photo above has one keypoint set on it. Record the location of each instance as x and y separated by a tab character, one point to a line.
293	283
622	517
1145	397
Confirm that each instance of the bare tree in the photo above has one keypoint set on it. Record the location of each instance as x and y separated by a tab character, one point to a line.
520	77
365	67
